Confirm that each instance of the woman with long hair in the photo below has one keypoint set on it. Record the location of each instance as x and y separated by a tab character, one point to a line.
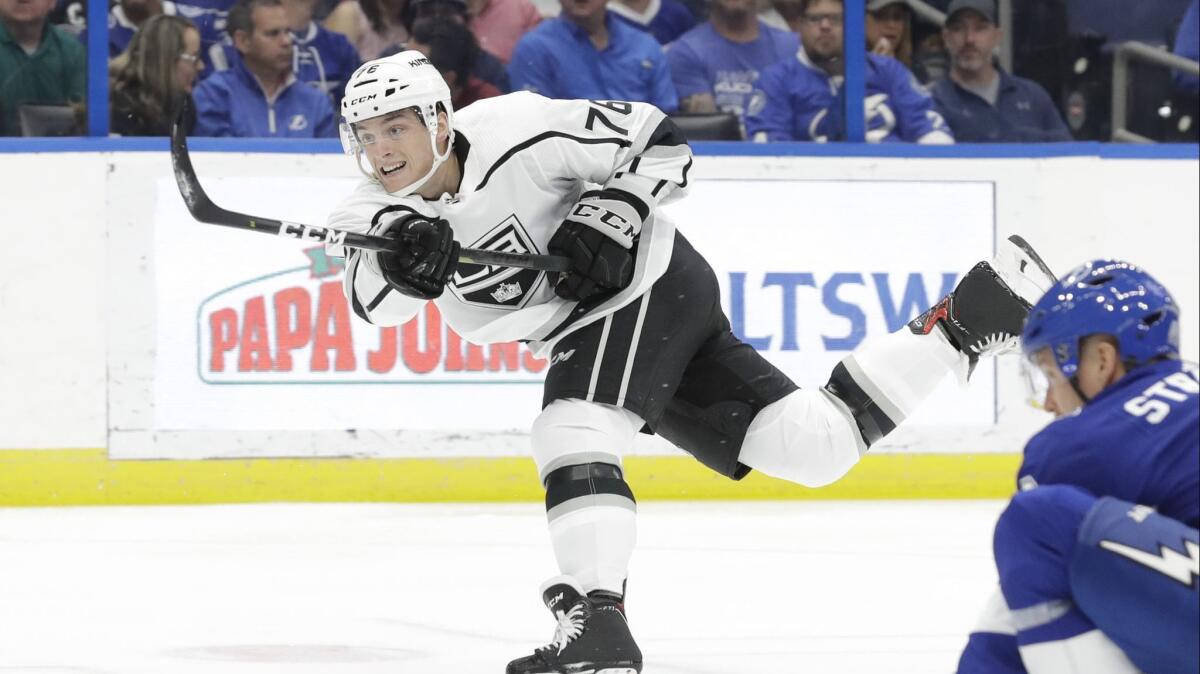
150	81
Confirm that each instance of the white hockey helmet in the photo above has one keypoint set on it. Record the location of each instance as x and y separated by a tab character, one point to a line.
397	82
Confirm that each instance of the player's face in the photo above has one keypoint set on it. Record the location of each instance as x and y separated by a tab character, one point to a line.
1060	398
821	29
397	145
971	39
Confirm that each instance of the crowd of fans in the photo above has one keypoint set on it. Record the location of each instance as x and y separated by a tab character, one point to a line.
279	67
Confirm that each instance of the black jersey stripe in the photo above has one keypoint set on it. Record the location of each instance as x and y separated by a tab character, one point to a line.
392	209
539	138
352	270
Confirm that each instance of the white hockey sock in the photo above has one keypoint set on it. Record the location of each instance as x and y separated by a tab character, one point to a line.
813	437
901	369
589	506
593	545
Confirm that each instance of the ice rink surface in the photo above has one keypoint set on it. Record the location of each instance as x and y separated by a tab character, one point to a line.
882	587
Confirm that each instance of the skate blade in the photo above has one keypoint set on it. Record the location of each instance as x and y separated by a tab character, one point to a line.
1032	254
1022	270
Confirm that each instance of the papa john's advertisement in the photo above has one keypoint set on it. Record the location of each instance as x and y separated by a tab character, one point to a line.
254	333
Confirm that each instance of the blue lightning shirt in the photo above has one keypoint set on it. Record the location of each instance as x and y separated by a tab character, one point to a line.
1138	440
805	103
704	62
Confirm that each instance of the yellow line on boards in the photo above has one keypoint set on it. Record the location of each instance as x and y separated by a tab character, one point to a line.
88	477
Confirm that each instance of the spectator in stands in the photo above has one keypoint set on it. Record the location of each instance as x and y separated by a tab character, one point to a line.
805	94
498	24
666	20
452	49
154	77
982	103
260	95
370	25
487	67
322	58
716	65
889	30
209	17
586	52
1187	45
39	63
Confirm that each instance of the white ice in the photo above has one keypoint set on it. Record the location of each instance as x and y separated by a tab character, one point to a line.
885	587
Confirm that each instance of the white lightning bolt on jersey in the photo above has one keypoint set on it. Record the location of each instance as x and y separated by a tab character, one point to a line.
527	161
1171	563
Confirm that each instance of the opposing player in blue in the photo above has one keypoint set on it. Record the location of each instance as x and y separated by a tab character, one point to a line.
1098	553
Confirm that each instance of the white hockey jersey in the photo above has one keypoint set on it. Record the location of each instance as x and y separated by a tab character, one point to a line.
528	160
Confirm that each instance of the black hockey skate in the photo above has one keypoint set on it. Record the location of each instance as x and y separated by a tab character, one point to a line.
986	312
592	636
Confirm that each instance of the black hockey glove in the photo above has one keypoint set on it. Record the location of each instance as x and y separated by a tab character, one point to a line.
598	237
425	258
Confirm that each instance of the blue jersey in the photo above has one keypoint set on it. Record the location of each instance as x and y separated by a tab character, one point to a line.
1138	440
805	103
703	62
325	60
558	60
666	20
232	103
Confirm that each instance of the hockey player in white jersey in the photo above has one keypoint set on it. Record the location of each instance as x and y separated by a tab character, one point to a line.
635	332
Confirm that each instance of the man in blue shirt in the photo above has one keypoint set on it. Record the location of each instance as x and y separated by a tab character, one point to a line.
716	65
805	96
260	95
981	102
1098	554
587	52
666	20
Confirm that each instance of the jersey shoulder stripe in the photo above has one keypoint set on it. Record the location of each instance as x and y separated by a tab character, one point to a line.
620	142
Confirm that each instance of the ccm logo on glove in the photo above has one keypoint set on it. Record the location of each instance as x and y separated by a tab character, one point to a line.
585	213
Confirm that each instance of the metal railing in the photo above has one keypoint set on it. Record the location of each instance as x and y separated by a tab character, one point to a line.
1122	56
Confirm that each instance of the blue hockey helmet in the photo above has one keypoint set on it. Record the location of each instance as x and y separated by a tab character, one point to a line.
1107	297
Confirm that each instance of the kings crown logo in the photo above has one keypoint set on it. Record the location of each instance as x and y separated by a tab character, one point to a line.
506	292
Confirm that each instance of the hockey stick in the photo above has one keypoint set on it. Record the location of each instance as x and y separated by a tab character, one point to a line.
203	209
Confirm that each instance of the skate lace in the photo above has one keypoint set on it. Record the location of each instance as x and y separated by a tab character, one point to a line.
996	344
570	626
